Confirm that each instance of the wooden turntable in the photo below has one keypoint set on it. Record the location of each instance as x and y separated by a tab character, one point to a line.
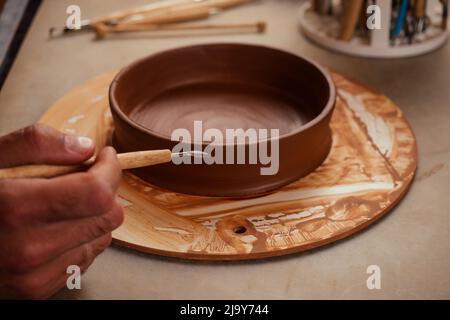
371	164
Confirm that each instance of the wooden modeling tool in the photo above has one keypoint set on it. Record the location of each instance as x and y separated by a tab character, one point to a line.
255	27
158	13
331	203
350	20
128	160
363	19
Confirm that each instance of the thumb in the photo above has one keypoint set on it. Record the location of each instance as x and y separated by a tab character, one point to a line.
40	144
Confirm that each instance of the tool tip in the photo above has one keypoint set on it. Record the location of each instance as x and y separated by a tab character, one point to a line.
195	154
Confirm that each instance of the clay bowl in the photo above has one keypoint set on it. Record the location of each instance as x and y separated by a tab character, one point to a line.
226	86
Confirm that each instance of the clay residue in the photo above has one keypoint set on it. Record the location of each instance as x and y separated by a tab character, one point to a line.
241	234
377	129
97	98
74	119
174	230
288	196
123	202
431	172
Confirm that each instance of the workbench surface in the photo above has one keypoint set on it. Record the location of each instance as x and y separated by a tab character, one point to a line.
411	245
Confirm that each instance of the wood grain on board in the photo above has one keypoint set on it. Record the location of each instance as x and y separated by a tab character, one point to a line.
371	165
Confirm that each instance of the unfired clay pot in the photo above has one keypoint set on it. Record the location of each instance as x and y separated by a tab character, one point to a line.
226	86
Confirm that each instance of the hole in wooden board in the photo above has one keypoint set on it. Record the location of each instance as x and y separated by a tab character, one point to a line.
240	229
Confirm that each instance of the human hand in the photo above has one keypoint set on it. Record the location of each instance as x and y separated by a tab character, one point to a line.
48	224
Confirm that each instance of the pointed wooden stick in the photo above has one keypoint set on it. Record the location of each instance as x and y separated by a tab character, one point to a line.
128	160
101	29
258	27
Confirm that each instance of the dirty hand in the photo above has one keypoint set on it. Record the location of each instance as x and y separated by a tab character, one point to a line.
47	225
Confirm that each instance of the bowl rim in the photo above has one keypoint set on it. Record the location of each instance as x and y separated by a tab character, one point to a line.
114	105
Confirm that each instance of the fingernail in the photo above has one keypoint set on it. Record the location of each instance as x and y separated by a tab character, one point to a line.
78	144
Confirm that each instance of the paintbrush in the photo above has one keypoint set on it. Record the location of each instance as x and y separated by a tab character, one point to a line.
128	160
398	26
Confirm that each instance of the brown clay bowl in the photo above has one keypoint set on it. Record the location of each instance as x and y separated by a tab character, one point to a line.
225	86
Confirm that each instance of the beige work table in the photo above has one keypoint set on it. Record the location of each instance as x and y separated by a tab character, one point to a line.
411	245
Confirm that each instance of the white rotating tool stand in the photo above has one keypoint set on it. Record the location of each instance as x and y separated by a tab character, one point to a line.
323	30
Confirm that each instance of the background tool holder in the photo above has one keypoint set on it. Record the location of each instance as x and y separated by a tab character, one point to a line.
409	27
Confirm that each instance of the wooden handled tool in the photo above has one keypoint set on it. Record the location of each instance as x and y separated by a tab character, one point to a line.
258	27
161	12
419	16
101	29
169	18
166	8
350	19
419	8
128	160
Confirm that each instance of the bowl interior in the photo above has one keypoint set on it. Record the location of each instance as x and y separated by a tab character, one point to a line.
224	86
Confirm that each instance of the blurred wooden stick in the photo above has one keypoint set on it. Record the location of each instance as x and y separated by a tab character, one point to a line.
444	14
350	19
141	14
169	17
169	11
192	10
128	160
258	27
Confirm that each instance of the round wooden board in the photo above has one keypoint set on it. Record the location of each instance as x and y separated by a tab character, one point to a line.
371	165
